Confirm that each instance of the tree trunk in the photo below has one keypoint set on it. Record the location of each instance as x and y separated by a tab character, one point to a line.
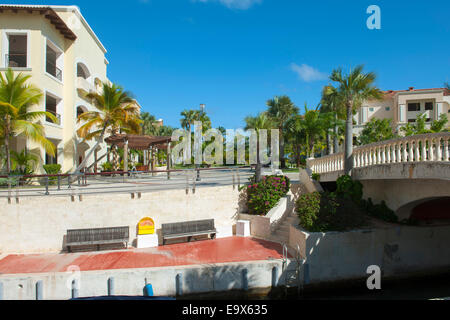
8	156
336	141
348	154
258	162
282	160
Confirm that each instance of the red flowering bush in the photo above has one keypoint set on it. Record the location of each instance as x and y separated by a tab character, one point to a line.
263	196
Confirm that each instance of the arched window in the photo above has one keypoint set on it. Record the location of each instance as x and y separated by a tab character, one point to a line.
83	71
81	110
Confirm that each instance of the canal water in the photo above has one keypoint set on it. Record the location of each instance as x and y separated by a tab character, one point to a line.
417	288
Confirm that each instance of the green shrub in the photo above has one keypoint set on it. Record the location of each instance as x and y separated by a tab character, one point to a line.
51	169
349	189
263	196
322	212
380	211
13	180
316	176
107	167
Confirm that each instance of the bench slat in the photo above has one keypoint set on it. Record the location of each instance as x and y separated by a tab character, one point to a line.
99	235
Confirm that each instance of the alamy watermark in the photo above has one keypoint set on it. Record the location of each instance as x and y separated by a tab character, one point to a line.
374	20
239	147
374	281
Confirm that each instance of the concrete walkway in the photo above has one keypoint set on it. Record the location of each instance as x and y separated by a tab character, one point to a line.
226	250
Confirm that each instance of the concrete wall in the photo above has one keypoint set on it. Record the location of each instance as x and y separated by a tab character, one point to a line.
398	251
39	225
194	279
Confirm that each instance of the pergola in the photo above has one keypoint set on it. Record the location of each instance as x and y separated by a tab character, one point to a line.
141	142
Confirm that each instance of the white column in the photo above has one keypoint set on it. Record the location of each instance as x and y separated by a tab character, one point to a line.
424	150
388	153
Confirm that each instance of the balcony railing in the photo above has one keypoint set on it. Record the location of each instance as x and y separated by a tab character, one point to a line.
54	70
58	117
417	148
85	85
16	60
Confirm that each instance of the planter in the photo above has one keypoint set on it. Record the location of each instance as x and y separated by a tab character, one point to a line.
262	226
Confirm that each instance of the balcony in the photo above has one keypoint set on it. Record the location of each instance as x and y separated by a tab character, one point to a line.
84	86
16	60
58	117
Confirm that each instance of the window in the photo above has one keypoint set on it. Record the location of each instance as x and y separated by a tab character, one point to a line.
51	160
388	109
429	106
16	54
414	106
412	120
51	106
371	109
428	120
54	61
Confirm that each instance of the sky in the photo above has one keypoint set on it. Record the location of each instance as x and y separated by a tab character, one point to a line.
234	55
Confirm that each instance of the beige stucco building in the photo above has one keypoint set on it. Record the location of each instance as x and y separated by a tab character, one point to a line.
57	47
404	106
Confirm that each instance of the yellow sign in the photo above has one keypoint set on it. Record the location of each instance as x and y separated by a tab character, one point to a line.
146	226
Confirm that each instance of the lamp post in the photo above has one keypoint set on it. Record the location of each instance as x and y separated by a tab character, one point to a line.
202	110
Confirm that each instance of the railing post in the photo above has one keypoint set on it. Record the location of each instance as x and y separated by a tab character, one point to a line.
383	154
430	150
416	150
438	149
46	186
388	153
424	150
59	183
411	151
405	152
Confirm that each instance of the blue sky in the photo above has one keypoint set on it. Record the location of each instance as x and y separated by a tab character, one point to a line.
234	55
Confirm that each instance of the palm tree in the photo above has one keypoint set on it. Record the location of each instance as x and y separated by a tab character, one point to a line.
189	116
314	126
23	161
117	113
295	135
281	109
354	89
16	98
260	122
148	123
331	103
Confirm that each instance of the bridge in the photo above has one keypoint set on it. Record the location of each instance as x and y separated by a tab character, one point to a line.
412	174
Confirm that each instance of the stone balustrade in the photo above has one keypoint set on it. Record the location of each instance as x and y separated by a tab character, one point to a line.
417	148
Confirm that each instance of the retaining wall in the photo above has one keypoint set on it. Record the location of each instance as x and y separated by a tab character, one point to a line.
39	224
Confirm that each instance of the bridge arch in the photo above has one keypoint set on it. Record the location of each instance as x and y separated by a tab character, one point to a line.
426	210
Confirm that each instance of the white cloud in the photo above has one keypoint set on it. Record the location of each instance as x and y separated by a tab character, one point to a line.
234	4
308	73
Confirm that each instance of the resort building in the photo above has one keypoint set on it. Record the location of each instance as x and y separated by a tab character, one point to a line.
58	48
404	106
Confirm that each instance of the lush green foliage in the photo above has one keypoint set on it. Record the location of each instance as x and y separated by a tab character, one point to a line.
347	188
316	176
322	212
376	130
263	196
380	211
341	210
419	127
107	167
52	168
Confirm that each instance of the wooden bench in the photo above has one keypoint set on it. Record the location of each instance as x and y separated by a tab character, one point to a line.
97	237
188	229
